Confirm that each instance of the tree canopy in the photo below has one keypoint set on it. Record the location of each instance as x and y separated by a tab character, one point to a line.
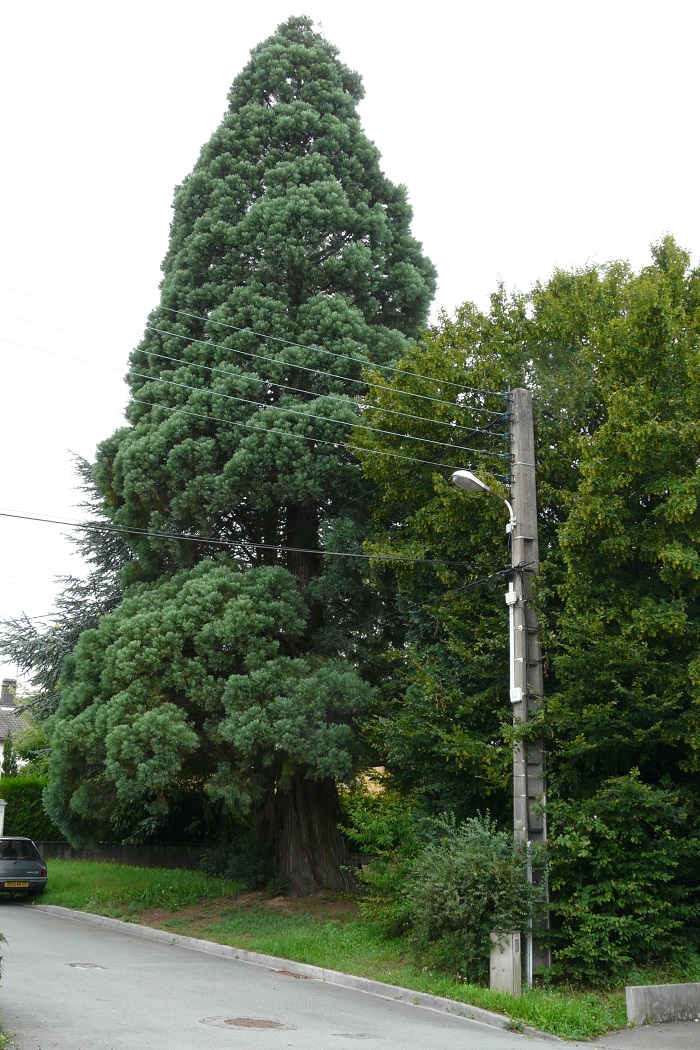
612	357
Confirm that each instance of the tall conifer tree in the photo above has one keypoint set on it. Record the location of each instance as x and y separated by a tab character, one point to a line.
291	265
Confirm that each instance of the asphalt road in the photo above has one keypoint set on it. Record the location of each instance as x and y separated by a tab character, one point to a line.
76	986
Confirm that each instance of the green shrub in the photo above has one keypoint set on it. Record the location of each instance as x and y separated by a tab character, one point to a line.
25	813
470	881
239	861
10	758
33	748
624	880
444	886
387	825
384	821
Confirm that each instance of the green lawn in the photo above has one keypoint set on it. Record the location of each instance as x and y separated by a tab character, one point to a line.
326	930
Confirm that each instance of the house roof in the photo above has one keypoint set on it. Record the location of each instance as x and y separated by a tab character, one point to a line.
10	722
10	718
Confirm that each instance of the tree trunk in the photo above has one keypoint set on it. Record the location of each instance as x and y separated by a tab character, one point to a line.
302	531
309	848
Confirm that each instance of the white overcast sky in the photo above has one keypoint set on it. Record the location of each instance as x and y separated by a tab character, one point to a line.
531	135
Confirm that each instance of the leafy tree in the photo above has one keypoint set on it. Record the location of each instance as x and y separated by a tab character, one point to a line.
441	728
32	747
627	635
290	267
625	885
197	679
10	759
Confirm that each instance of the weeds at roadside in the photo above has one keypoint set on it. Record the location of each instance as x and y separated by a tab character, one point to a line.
120	891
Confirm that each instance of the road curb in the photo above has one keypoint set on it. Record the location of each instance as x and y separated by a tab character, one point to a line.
302	970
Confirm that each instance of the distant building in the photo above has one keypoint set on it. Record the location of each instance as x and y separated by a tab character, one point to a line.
10	719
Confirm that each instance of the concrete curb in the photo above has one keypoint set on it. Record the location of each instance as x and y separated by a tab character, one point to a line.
317	973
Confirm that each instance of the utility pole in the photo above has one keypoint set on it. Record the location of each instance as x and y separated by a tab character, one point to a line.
527	685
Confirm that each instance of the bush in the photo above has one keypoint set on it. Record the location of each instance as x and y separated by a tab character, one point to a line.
381	821
10	759
470	881
32	748
241	862
25	813
624	880
387	825
444	886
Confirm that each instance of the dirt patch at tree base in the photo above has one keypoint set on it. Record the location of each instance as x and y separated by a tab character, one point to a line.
322	906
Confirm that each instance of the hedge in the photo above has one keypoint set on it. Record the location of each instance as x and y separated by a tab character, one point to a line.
24	813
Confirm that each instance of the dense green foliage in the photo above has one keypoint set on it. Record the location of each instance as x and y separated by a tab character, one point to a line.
25	813
613	359
444	887
32	747
470	881
626	883
10	760
234	706
237	660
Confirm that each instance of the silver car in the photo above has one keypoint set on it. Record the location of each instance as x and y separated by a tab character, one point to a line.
22	869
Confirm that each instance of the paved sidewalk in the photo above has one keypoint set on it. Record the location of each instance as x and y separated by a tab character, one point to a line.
681	1035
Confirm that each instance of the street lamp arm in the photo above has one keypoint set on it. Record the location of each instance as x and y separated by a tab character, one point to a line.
464	479
510	527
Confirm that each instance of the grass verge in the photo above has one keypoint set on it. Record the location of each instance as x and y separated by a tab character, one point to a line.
325	930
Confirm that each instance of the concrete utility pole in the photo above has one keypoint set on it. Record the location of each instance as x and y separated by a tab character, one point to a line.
527	686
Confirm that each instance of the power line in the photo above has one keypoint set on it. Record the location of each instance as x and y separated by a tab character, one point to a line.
308	437
264	405
316	349
267	430
303	414
318	371
301	390
154	534
249	376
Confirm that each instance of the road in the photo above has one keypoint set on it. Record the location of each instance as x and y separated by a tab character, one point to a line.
74	986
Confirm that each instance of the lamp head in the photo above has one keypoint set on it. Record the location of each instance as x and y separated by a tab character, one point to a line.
464	479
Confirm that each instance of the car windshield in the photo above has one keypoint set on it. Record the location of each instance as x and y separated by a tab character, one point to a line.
18	849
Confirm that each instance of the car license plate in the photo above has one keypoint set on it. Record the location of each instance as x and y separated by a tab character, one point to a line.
16	885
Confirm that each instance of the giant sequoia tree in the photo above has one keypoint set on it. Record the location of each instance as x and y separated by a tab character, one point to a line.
291	266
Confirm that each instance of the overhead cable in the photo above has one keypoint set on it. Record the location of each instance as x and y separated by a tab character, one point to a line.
156	534
321	372
305	415
316	349
310	437
270	430
250	376
407	393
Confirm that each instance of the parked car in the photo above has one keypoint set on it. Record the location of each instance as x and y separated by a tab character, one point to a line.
22	869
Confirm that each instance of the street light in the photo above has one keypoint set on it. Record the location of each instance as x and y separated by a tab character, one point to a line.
464	479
